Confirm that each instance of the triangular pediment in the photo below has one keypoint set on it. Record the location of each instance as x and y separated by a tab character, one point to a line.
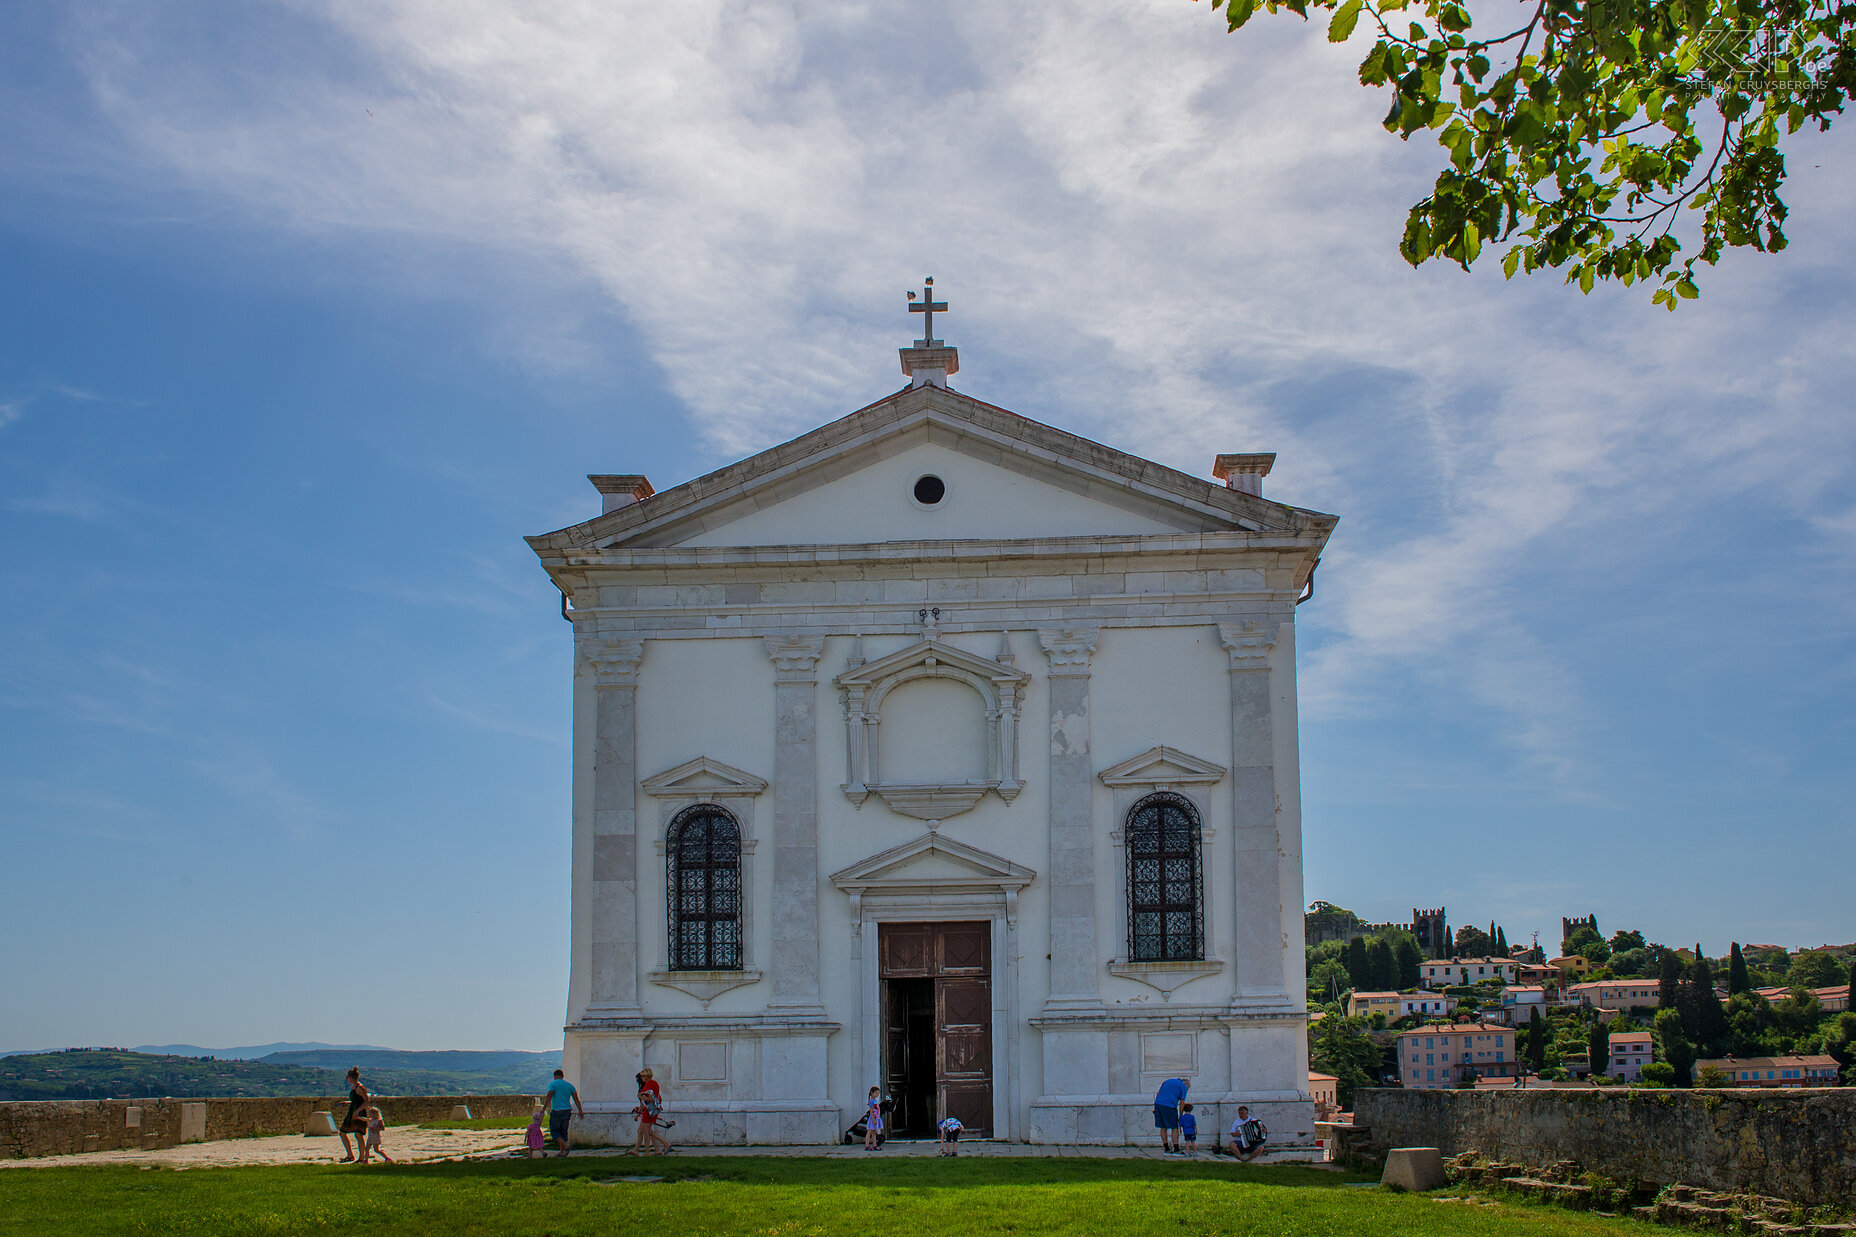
703	778
928	653
1007	477
1163	766
933	861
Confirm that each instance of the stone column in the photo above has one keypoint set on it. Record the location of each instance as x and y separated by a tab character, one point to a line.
1073	979
614	945
795	966
1256	845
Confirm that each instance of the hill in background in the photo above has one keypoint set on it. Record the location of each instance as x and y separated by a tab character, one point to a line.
250	1053
115	1073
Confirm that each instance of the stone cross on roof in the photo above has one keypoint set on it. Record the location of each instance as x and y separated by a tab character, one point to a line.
930	361
927	307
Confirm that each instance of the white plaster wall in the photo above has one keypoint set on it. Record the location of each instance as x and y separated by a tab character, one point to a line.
704	698
1152	686
874	504
1289	818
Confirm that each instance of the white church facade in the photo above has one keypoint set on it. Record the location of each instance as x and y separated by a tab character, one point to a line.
943	751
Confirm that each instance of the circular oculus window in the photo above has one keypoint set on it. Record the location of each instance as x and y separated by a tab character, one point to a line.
929	490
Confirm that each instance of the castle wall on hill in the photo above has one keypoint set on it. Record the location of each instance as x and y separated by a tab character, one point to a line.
1792	1144
62	1127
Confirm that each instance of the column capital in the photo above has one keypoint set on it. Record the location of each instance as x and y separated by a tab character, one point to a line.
1248	644
1068	648
795	658
614	662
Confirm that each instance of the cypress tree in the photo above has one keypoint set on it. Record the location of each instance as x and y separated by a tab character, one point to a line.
1737	980
1379	963
1536	1040
1356	964
1710	1027
1668	988
1501	943
1408	960
1598	1047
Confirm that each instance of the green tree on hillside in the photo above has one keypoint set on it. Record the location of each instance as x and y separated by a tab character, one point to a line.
1356	964
1669	989
1623	939
1329	980
1380	966
1344	1048
1407	959
1473	942
1536	1040
1672	1044
1598	1047
1736	971
1580	138
1704	1020
1501	942
1814	968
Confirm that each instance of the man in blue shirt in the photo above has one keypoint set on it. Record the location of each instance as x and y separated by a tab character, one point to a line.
563	1102
1167	1103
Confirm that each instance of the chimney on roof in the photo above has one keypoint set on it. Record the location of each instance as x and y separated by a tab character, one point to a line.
1244	473
620	490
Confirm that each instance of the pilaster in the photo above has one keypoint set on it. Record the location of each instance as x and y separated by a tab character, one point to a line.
1074	982
614	947
1256	845
795	959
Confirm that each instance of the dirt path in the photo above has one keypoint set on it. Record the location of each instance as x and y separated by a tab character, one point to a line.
407	1143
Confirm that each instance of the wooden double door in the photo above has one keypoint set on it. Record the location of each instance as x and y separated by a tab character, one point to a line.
937	1024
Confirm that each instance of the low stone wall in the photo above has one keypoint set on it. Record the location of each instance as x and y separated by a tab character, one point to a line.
1793	1144
60	1127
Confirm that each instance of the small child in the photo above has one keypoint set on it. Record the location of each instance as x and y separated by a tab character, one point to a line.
537	1139
1189	1129
873	1119
375	1124
950	1128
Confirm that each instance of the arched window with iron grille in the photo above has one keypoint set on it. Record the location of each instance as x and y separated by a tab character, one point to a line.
704	849
1166	885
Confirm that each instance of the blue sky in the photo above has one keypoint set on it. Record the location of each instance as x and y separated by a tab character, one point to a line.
308	312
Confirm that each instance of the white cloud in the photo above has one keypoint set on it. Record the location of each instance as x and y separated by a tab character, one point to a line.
1150	231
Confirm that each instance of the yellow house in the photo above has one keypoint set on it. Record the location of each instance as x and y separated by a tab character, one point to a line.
1571	964
1366	1004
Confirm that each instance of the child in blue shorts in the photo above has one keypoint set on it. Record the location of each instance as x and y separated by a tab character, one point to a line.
1189	1129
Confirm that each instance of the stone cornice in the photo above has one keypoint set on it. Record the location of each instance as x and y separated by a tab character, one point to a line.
1049	551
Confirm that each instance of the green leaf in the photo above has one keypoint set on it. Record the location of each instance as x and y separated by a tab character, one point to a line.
1340	27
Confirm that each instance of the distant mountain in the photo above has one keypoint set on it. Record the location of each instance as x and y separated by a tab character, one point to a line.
113	1073
251	1053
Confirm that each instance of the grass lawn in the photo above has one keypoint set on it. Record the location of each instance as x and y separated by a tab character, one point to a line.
774	1196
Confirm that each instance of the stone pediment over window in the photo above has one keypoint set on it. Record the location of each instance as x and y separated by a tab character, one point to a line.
933	863
703	778
1160	767
972	750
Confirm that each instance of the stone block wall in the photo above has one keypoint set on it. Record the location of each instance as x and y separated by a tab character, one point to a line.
1792	1144
61	1127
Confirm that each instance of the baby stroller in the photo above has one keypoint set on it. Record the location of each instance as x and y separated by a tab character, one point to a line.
856	1133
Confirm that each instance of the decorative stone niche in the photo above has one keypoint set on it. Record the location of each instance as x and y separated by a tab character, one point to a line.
954	755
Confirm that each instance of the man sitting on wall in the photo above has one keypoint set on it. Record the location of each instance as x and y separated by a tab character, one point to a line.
1247	1135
